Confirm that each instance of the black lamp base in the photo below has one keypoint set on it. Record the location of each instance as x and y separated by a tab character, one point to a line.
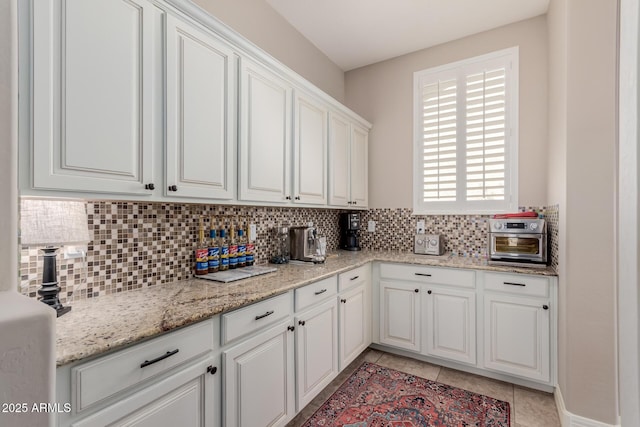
50	290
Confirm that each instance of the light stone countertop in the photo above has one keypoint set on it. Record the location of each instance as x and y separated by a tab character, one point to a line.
98	325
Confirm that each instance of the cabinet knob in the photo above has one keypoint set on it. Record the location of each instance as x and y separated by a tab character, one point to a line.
301	322
344	301
297	197
546	307
150	187
429	292
416	290
291	328
288	198
173	188
212	370
355	202
349	202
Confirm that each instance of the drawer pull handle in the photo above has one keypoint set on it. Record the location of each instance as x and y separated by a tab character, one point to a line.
321	292
344	301
291	328
514	284
157	359
354	278
212	370
262	316
301	322
423	274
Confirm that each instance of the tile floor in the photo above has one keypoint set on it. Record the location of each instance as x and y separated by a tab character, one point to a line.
529	408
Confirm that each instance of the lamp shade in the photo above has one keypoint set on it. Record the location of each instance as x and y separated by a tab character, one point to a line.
53	222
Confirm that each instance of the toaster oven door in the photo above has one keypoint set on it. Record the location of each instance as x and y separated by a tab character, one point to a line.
530	247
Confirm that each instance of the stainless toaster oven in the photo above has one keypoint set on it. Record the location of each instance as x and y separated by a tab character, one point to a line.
518	241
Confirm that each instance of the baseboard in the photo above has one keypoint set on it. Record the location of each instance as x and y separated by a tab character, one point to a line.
567	419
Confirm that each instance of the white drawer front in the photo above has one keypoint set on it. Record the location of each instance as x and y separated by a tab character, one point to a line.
256	316
518	284
315	292
108	375
426	274
354	277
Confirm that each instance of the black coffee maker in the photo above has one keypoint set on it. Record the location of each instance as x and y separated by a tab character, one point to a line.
349	226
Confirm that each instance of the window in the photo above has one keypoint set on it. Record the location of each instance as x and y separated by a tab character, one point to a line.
466	136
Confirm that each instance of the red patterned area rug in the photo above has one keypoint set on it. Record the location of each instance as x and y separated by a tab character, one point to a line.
375	396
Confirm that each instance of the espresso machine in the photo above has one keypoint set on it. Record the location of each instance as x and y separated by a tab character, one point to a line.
349	226
306	245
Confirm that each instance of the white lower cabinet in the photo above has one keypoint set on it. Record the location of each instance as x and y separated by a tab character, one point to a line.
516	336
450	324
186	399
400	315
354	314
259	379
316	350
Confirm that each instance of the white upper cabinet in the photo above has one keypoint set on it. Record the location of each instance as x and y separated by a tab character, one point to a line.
309	151
359	161
348	163
93	95
265	135
201	81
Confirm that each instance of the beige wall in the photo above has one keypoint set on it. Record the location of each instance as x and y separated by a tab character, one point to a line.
382	93
582	174
264	27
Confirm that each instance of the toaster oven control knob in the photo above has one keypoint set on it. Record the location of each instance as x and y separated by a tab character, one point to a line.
497	226
533	226
420	242
433	242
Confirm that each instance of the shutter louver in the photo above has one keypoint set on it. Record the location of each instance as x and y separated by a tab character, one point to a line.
485	135
439	140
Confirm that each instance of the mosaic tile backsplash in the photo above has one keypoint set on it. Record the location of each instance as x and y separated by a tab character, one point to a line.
138	244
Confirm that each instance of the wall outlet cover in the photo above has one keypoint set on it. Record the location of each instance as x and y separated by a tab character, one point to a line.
371	226
420	227
252	232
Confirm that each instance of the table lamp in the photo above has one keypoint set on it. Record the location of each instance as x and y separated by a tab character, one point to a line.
52	224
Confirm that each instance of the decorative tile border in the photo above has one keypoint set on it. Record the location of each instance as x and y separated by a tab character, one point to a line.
138	244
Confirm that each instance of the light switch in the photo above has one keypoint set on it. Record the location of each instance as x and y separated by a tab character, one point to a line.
252	232
371	226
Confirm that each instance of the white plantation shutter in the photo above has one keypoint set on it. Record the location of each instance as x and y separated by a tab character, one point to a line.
465	125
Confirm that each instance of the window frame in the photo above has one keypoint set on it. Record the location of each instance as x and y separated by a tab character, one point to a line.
460	70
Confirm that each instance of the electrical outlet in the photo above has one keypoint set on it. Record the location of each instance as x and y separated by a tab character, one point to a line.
420	227
73	252
371	226
252	232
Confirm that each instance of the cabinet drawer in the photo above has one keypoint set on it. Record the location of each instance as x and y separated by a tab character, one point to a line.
106	376
354	277
426	274
256	316
315	292
517	284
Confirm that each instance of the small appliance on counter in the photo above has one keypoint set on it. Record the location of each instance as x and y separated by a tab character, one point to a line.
349	226
306	245
429	244
518	239
281	235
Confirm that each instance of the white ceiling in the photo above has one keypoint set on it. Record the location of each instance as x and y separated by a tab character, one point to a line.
354	33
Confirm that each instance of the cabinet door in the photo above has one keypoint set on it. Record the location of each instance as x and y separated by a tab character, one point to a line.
185	399
339	143
94	97
400	315
309	151
201	80
265	135
359	161
451	324
516	336
355	325
259	379
317	350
